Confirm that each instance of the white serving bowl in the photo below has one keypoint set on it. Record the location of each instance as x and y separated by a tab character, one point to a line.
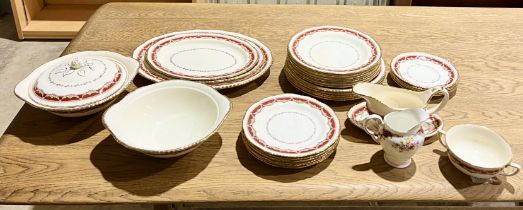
167	119
478	151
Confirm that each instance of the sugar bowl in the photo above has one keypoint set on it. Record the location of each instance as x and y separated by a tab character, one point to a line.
78	84
479	152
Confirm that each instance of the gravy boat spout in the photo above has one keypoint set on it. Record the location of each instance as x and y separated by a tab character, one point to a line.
383	99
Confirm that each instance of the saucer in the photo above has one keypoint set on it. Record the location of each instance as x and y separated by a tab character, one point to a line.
359	112
420	71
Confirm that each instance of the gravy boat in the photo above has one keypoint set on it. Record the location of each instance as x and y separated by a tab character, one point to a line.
383	99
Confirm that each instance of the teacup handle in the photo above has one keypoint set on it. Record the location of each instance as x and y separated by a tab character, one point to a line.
443	139
516	170
373	134
443	101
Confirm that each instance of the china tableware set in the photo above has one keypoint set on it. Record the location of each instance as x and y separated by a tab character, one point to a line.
479	152
399	133
220	59
167	119
290	131
184	109
421	71
399	120
78	84
401	116
327	61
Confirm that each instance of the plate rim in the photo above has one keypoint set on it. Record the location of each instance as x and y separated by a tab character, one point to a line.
372	63
152	50
140	53
394	68
329	140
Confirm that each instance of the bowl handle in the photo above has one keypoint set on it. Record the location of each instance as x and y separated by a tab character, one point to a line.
443	101
373	133
443	139
516	170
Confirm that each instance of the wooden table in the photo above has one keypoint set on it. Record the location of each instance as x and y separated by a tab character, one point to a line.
49	159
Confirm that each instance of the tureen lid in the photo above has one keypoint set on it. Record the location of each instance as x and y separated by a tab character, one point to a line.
78	81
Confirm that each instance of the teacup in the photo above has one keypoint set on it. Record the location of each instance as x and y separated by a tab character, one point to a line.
478	152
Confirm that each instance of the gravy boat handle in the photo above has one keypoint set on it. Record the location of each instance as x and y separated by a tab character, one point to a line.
516	170
442	139
443	101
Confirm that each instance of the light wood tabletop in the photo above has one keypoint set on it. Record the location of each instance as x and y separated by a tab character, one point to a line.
50	159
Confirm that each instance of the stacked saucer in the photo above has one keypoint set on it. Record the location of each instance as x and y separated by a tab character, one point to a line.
359	112
290	131
326	61
421	71
219	59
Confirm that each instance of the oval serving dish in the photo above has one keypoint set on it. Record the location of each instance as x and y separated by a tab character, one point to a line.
167	119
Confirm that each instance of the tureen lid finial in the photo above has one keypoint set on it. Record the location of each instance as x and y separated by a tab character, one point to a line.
77	63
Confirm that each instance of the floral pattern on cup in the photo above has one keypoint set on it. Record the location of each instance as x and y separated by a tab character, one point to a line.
408	143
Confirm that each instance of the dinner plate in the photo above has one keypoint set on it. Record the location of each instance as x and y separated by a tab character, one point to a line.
291	125
332	94
202	56
334	49
424	70
265	60
378	78
286	162
359	112
334	81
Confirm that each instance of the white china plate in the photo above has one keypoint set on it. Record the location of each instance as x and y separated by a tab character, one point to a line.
264	54
424	70
359	112
334	49
376	79
291	125
202	56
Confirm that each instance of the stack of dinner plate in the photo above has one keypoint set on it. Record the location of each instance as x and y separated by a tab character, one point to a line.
290	131
420	71
219	59
326	61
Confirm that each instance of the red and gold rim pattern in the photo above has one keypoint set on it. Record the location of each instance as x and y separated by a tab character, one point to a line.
77	97
472	169
375	56
264	60
171	72
399	77
250	116
359	112
417	57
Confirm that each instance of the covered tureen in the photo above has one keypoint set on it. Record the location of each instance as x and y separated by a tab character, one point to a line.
78	84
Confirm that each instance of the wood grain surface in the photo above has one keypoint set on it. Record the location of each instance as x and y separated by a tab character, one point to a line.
49	159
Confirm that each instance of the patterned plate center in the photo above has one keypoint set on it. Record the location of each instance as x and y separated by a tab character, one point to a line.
301	130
